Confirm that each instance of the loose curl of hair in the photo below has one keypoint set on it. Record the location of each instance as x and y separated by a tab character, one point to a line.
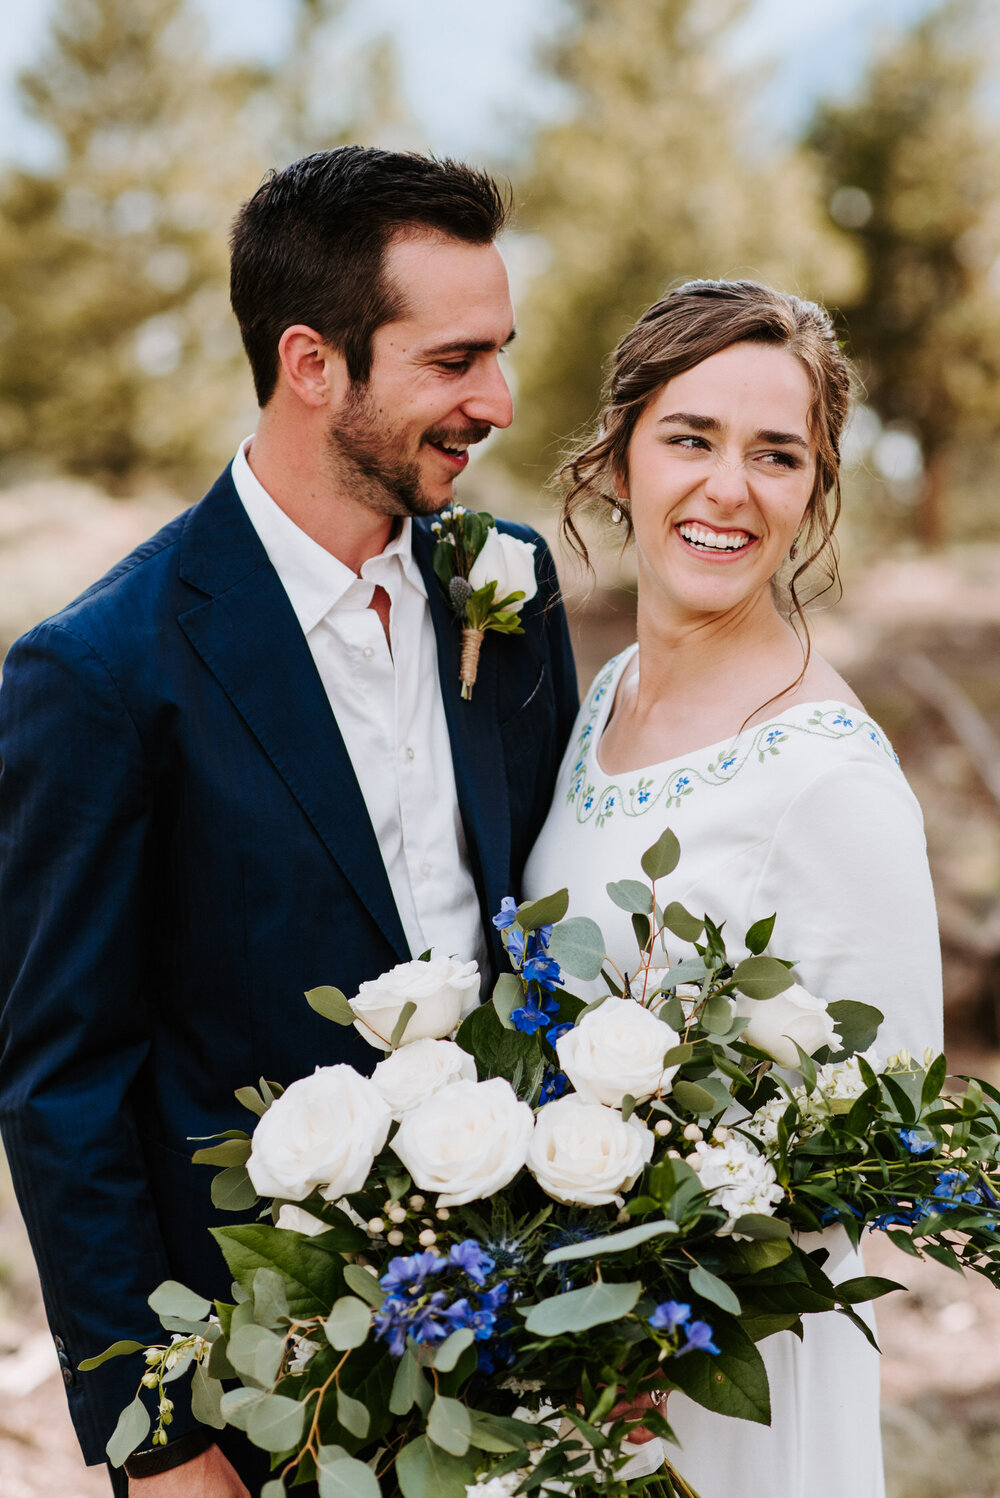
689	325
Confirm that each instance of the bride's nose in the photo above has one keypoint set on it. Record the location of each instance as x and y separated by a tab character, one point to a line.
726	483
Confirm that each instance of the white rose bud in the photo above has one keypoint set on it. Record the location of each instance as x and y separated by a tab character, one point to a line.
298	1220
795	1015
415	1072
509	563
443	989
466	1141
325	1131
584	1154
617	1049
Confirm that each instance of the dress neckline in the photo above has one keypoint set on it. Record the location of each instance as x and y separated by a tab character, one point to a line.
604	713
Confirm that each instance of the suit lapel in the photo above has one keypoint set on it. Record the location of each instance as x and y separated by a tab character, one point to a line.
476	748
248	636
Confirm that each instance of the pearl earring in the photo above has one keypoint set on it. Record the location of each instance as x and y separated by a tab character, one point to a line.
616	515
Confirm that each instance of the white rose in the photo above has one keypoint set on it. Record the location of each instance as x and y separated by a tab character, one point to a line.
794	1015
298	1220
584	1154
509	563
617	1049
443	989
466	1141
415	1072
740	1179
324	1130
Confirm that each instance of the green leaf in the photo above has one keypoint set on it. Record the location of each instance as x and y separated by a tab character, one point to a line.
250	1098
353	1415
405	1385
611	1243
710	1287
692	1098
130	1432
236	1405
662	858
206	1399
578	946
348	1323
448	1425
866	1287
230	1152
681	922
630	895
642	928
857	1024
116	1350
364	1283
691	970
508	995
270	1302
759	935
716	1015
451	1349
345	1477
933	1081
425	1471
256	1352
807	1067
275	1424
677	1054
764	1229
486	1434
407	1012
497	1051
578	1310
544	912
233	1191
313	1278
733	1383
173	1299
331	1004
273	1489
762	977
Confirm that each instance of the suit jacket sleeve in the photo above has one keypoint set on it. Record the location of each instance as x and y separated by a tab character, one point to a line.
76	881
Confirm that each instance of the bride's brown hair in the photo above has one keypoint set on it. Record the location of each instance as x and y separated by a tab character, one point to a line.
697	320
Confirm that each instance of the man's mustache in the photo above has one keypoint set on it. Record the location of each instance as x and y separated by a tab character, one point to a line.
458	436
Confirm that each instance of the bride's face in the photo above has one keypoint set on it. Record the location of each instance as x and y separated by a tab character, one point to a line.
720	470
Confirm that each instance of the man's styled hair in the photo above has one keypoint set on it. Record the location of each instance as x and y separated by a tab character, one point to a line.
309	246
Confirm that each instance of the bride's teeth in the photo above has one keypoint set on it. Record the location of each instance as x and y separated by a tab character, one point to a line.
697	535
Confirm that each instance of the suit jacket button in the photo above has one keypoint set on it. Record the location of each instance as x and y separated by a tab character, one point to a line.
60	1344
68	1377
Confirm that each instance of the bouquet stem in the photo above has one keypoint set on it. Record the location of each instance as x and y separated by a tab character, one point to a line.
472	642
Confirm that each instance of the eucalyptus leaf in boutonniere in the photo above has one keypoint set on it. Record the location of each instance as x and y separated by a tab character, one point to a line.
487	578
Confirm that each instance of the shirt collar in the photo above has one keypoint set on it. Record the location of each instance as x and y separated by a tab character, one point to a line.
315	580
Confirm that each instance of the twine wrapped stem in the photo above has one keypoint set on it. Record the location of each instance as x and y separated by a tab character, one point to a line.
472	641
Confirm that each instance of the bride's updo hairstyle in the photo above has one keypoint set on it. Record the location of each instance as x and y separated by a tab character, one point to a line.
697	320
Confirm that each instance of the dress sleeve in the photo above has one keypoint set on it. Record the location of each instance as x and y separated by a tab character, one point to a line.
847	874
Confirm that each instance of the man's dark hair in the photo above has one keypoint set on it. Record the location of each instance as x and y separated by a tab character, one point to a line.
309	246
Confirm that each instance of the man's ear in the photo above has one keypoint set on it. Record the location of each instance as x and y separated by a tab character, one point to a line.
314	371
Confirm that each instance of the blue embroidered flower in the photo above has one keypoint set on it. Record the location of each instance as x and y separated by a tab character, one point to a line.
841	722
774	737
588	803
642	797
727	764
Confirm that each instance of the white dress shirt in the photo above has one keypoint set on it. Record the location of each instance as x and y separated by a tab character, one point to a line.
389	710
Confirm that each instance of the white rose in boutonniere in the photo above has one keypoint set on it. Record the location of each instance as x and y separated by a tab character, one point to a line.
415	1072
443	989
586	1155
509	563
325	1131
616	1050
466	1141
487	577
794	1015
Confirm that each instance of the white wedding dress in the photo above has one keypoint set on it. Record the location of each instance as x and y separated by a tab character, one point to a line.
809	816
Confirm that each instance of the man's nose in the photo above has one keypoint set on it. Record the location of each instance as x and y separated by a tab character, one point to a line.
489	398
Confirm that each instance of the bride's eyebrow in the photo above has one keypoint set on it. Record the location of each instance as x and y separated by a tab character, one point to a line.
699	423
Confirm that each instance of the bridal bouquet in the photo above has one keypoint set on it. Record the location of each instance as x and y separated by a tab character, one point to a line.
479	1270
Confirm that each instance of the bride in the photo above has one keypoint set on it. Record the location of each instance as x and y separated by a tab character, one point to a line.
718	450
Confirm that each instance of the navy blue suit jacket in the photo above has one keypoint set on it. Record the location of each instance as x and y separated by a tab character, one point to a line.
184	850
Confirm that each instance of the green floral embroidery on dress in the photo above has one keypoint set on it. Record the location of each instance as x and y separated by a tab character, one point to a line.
599	804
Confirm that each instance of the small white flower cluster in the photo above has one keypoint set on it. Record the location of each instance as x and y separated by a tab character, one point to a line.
838	1084
303	1351
495	1487
740	1178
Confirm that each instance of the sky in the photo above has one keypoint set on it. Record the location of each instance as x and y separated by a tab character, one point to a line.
466	66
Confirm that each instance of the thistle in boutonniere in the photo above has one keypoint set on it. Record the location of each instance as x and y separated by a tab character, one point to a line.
487	578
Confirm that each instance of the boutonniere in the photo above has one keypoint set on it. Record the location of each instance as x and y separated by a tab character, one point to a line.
487	578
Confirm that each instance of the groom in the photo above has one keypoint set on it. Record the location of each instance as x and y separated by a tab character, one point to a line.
239	765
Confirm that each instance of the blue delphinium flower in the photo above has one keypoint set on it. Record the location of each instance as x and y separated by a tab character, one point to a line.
914	1143
555	1031
834	1214
554	1084
902	1216
507	914
543	970
426	1319
470	1257
948	1186
699	1339
534	1015
410	1273
669	1315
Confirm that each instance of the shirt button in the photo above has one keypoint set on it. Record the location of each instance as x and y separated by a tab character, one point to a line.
410	753
368	652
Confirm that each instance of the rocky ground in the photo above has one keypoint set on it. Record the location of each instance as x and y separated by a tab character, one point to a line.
918	638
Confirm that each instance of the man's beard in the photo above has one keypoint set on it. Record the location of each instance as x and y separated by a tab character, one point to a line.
386	481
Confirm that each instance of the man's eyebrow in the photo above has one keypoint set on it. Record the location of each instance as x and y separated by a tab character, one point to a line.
467	346
709	424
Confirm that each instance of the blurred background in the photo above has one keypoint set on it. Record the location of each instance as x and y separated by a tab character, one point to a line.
840	150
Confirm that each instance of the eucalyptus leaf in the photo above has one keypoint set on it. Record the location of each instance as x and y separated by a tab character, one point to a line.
236	1405
681	922
508	995
405	1385
353	1415
577	944
348	1323
206	1399
693	1098
229	1152
578	1310
663	857
451	1349
251	1099
643	929
130	1432
331	1004
345	1477
762	977
678	1054
448	1425
275	1488
256	1352
407	1012
631	895
716	1015
364	1283
611	1243
759	935
116	1350
232	1190
173	1299
425	1471
545	912
691	970
857	1024
275	1424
